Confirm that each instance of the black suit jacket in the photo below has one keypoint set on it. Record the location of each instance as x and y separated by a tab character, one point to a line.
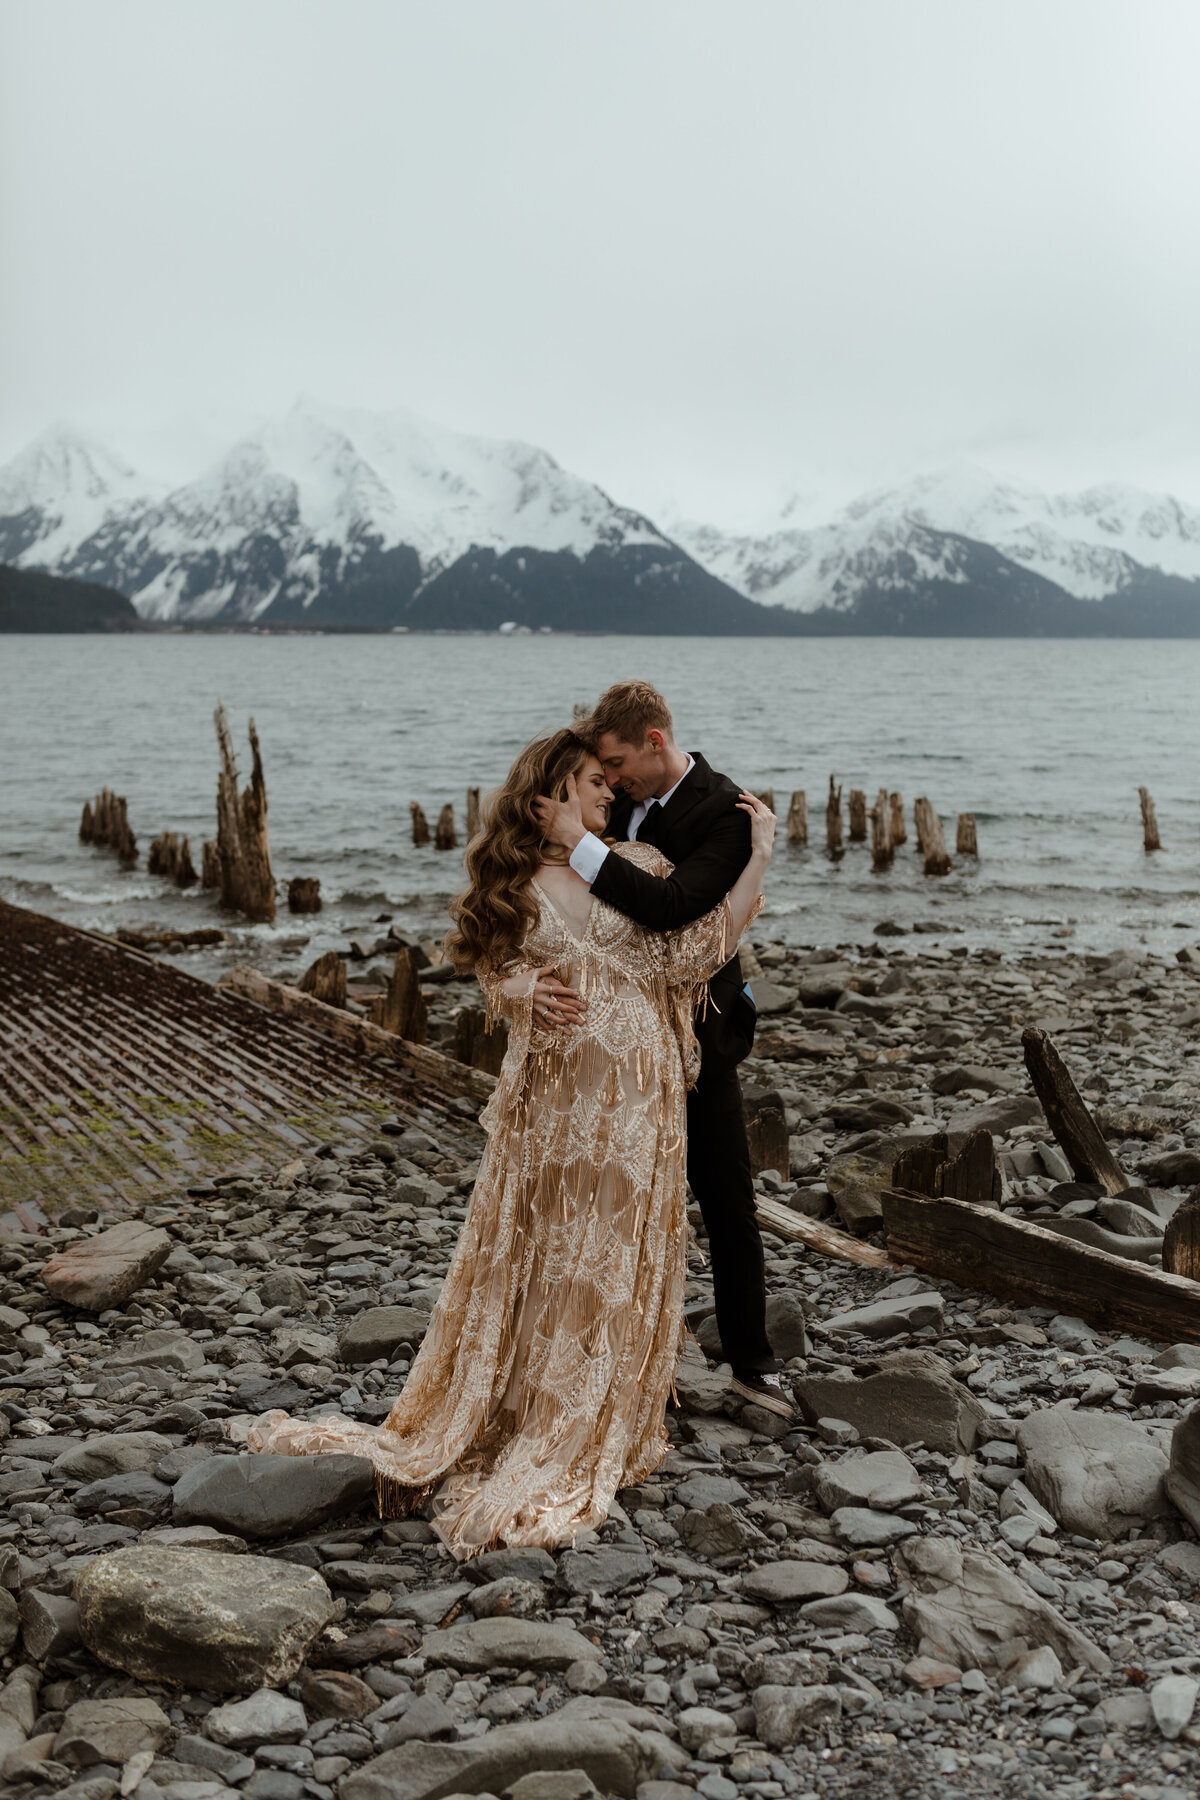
708	840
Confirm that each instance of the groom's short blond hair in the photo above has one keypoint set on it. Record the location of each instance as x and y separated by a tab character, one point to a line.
627	711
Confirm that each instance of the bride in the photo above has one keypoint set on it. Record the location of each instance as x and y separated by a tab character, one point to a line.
542	1383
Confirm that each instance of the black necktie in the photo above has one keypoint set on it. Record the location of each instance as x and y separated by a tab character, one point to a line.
648	830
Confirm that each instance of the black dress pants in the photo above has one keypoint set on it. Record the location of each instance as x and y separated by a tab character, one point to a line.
718	1166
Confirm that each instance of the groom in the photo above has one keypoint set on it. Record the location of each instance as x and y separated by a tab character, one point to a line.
675	801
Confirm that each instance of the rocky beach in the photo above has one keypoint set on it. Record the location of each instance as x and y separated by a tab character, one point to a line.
969	1568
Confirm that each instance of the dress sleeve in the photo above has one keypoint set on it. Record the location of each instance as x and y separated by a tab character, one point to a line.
691	953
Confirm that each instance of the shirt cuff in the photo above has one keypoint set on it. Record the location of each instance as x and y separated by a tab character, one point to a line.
587	857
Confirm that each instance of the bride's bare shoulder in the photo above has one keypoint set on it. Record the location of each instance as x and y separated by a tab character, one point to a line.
644	856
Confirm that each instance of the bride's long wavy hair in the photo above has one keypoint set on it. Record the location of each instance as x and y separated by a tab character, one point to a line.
492	917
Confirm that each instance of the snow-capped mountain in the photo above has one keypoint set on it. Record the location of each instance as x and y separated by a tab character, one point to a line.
308	508
1093	545
343	518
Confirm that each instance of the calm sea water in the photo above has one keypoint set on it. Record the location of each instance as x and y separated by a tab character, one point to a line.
1046	742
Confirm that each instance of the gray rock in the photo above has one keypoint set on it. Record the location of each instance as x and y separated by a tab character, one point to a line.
1128	1220
965	1607
1174	1168
556	1784
113	1453
427	1718
910	1396
999	1116
509	1597
283	1287
850	1612
172	1350
613	1753
109	1731
1016	1501
701	1389
699	1725
1179	1356
1038	1668
1173	1701
719	1530
701	1491
885	1318
1086	1231
863	1529
603	1569
10	1621
102	1271
786	1326
49	1624
781	1714
786	1583
1183	1472
204	1754
523	1562
1099	1474
485	1644
1182	1559
113	1491
973	1075
381	1331
883	1480
271	1496
266	1717
200	1618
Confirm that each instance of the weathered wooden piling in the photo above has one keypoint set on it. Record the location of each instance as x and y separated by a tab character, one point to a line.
171	856
833	820
882	851
1181	1239
420	824
964	840
210	865
243	846
445	837
899	828
304	894
473	813
930	838
858	816
797	819
326	979
1150	838
475	1044
402	1008
105	823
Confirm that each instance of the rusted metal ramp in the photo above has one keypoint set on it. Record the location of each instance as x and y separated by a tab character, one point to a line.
125	1078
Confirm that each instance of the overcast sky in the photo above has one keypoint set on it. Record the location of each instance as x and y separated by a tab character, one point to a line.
703	253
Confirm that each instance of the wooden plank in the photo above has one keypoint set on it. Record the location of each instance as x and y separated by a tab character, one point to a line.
797	1228
1072	1124
976	1247
440	1073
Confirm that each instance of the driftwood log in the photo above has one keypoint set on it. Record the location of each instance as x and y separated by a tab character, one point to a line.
105	823
445	837
1072	1124
833	820
858	816
171	856
797	818
475	1044
899	828
965	841
402	1008
440	1074
1150	837
930	842
243	846
304	894
1181	1240
977	1247
325	979
420	824
814	1234
881	832
473	813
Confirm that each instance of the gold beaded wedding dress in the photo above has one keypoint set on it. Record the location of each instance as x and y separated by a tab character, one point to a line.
542	1382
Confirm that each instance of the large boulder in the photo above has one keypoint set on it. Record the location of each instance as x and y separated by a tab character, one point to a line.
271	1496
1098	1473
613	1742
964	1607
1183	1473
102	1271
202	1619
910	1397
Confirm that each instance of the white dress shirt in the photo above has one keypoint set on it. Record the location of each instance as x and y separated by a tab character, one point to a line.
589	853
